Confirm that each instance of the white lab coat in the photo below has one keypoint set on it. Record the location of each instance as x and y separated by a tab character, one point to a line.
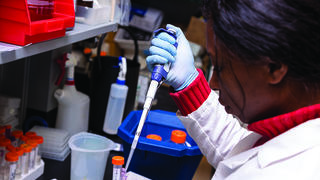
293	155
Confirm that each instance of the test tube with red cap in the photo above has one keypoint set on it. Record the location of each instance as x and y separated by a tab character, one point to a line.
33	155
117	162
39	141
4	142
20	152
11	165
25	158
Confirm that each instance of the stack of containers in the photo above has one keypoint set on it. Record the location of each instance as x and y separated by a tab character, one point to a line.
55	142
9	108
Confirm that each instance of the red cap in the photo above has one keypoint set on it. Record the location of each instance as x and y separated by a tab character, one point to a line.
4	142
11	148
117	160
26	148
103	53
87	50
17	134
2	130
154	137
7	126
178	136
12	156
30	134
38	139
33	143
23	138
19	151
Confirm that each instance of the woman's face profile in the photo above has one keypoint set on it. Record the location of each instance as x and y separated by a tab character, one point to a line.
243	87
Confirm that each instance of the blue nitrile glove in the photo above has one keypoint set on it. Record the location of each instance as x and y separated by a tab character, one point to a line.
182	71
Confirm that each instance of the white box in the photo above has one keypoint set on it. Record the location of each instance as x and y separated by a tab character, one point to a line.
149	22
128	44
93	16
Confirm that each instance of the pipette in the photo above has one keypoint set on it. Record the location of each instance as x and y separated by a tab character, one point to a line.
158	75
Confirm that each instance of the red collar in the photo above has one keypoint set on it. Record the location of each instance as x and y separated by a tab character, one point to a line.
272	127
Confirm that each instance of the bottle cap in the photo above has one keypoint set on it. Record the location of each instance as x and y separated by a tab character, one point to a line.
17	134
103	53
38	139
26	148
33	143
11	148
23	138
30	134
12	156
87	50
154	137
178	136
117	160
2	130
7	126
4	142
19	151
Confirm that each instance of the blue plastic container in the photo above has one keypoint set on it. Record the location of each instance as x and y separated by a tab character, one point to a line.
163	160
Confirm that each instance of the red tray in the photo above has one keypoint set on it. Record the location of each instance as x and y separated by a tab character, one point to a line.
21	24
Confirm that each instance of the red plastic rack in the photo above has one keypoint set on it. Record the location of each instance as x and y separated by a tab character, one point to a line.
23	23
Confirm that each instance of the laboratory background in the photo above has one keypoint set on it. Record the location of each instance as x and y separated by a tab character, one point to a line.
73	88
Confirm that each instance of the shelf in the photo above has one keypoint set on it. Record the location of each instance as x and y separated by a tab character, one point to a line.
9	52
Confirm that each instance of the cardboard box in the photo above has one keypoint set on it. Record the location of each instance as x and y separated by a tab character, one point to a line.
196	31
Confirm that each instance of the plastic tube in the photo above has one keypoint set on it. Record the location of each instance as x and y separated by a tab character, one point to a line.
25	158
33	155
117	162
39	140
20	153
11	166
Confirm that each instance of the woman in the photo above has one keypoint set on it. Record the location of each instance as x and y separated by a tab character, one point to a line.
266	63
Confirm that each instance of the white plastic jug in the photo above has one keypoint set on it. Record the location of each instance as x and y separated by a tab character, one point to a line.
89	155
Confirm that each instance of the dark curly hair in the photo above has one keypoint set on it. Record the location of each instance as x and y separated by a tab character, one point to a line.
285	31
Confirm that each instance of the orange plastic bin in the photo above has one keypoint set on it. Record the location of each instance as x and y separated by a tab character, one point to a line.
30	21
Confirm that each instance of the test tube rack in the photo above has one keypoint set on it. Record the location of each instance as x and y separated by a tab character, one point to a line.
33	173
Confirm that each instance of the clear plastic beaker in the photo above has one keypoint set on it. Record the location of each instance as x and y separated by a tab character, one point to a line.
89	154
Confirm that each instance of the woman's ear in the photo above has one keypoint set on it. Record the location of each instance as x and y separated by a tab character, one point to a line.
277	72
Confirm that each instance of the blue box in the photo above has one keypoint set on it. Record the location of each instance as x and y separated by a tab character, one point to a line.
159	159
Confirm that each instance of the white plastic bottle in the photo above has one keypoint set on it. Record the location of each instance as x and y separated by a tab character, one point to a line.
116	101
73	109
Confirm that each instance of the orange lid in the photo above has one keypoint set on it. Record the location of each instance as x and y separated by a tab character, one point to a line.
7	126
117	160
178	136
12	156
103	53
38	139
26	148
154	137
11	148
23	138
33	143
87	50
4	142
19	151
17	134
2	130
30	134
